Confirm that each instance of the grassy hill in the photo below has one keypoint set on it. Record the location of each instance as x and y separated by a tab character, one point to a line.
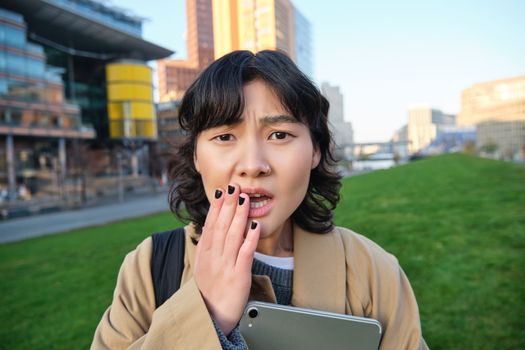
456	224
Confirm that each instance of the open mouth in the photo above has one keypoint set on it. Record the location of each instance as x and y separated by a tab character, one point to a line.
261	201
258	200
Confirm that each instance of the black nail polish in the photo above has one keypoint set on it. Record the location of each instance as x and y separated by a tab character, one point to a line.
231	189
241	200
254	225
218	194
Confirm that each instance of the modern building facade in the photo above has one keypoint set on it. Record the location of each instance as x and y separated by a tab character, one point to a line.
341	129
499	100
175	76
36	120
424	125
74	87
260	25
217	27
497	108
303	43
505	140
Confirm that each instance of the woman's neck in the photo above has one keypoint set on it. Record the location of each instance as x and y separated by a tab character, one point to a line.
278	243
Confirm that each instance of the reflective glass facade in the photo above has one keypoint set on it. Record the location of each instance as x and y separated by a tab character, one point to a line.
303	43
85	84
55	100
34	115
31	94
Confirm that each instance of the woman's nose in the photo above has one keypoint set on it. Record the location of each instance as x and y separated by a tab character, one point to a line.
253	161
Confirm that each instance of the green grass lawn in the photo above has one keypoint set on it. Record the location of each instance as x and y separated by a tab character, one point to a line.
455	222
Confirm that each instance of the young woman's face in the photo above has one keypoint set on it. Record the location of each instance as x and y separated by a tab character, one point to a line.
268	154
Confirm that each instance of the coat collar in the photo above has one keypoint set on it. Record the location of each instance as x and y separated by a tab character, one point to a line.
319	280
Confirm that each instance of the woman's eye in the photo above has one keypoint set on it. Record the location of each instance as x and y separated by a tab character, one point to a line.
279	135
224	137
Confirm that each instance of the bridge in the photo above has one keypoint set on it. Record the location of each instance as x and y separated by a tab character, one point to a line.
384	150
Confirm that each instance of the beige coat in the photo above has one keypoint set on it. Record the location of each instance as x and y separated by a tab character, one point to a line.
341	272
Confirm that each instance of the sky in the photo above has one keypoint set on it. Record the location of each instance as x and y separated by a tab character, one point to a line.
387	55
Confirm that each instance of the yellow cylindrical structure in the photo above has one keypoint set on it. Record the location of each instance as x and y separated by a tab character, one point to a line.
130	101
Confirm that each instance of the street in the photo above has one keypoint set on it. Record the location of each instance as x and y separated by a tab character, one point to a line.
40	225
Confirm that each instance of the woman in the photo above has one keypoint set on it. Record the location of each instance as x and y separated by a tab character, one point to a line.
255	179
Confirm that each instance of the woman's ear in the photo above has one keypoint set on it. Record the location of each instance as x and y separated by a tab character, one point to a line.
195	162
316	157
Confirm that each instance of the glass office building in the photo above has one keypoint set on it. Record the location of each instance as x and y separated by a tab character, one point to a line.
35	118
31	93
303	43
74	87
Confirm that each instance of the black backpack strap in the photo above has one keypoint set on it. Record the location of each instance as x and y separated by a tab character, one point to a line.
167	263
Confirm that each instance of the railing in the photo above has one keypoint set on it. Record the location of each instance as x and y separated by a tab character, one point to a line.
79	191
32	128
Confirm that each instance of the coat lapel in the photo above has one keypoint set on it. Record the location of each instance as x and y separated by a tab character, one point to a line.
319	280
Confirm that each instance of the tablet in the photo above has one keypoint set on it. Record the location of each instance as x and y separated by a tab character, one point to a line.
273	326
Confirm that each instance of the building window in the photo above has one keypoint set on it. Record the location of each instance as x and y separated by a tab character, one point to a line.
12	37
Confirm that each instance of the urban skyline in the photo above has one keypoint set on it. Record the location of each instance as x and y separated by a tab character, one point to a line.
399	54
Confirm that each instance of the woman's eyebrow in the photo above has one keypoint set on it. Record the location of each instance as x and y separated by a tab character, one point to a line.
277	119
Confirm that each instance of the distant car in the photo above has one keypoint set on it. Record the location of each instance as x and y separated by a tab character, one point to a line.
416	156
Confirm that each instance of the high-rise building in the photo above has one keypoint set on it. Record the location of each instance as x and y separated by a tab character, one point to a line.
175	76
259	25
424	124
500	100
341	129
75	83
497	109
303	43
200	32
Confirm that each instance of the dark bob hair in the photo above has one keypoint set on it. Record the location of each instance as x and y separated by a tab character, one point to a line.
216	98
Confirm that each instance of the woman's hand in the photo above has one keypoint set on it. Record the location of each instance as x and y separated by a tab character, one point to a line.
224	257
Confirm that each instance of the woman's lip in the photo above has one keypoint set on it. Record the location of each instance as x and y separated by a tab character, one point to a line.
262	211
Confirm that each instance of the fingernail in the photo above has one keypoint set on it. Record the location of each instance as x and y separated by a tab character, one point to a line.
218	194
241	200
254	225
231	189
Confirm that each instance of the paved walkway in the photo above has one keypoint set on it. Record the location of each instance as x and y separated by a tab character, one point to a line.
45	224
